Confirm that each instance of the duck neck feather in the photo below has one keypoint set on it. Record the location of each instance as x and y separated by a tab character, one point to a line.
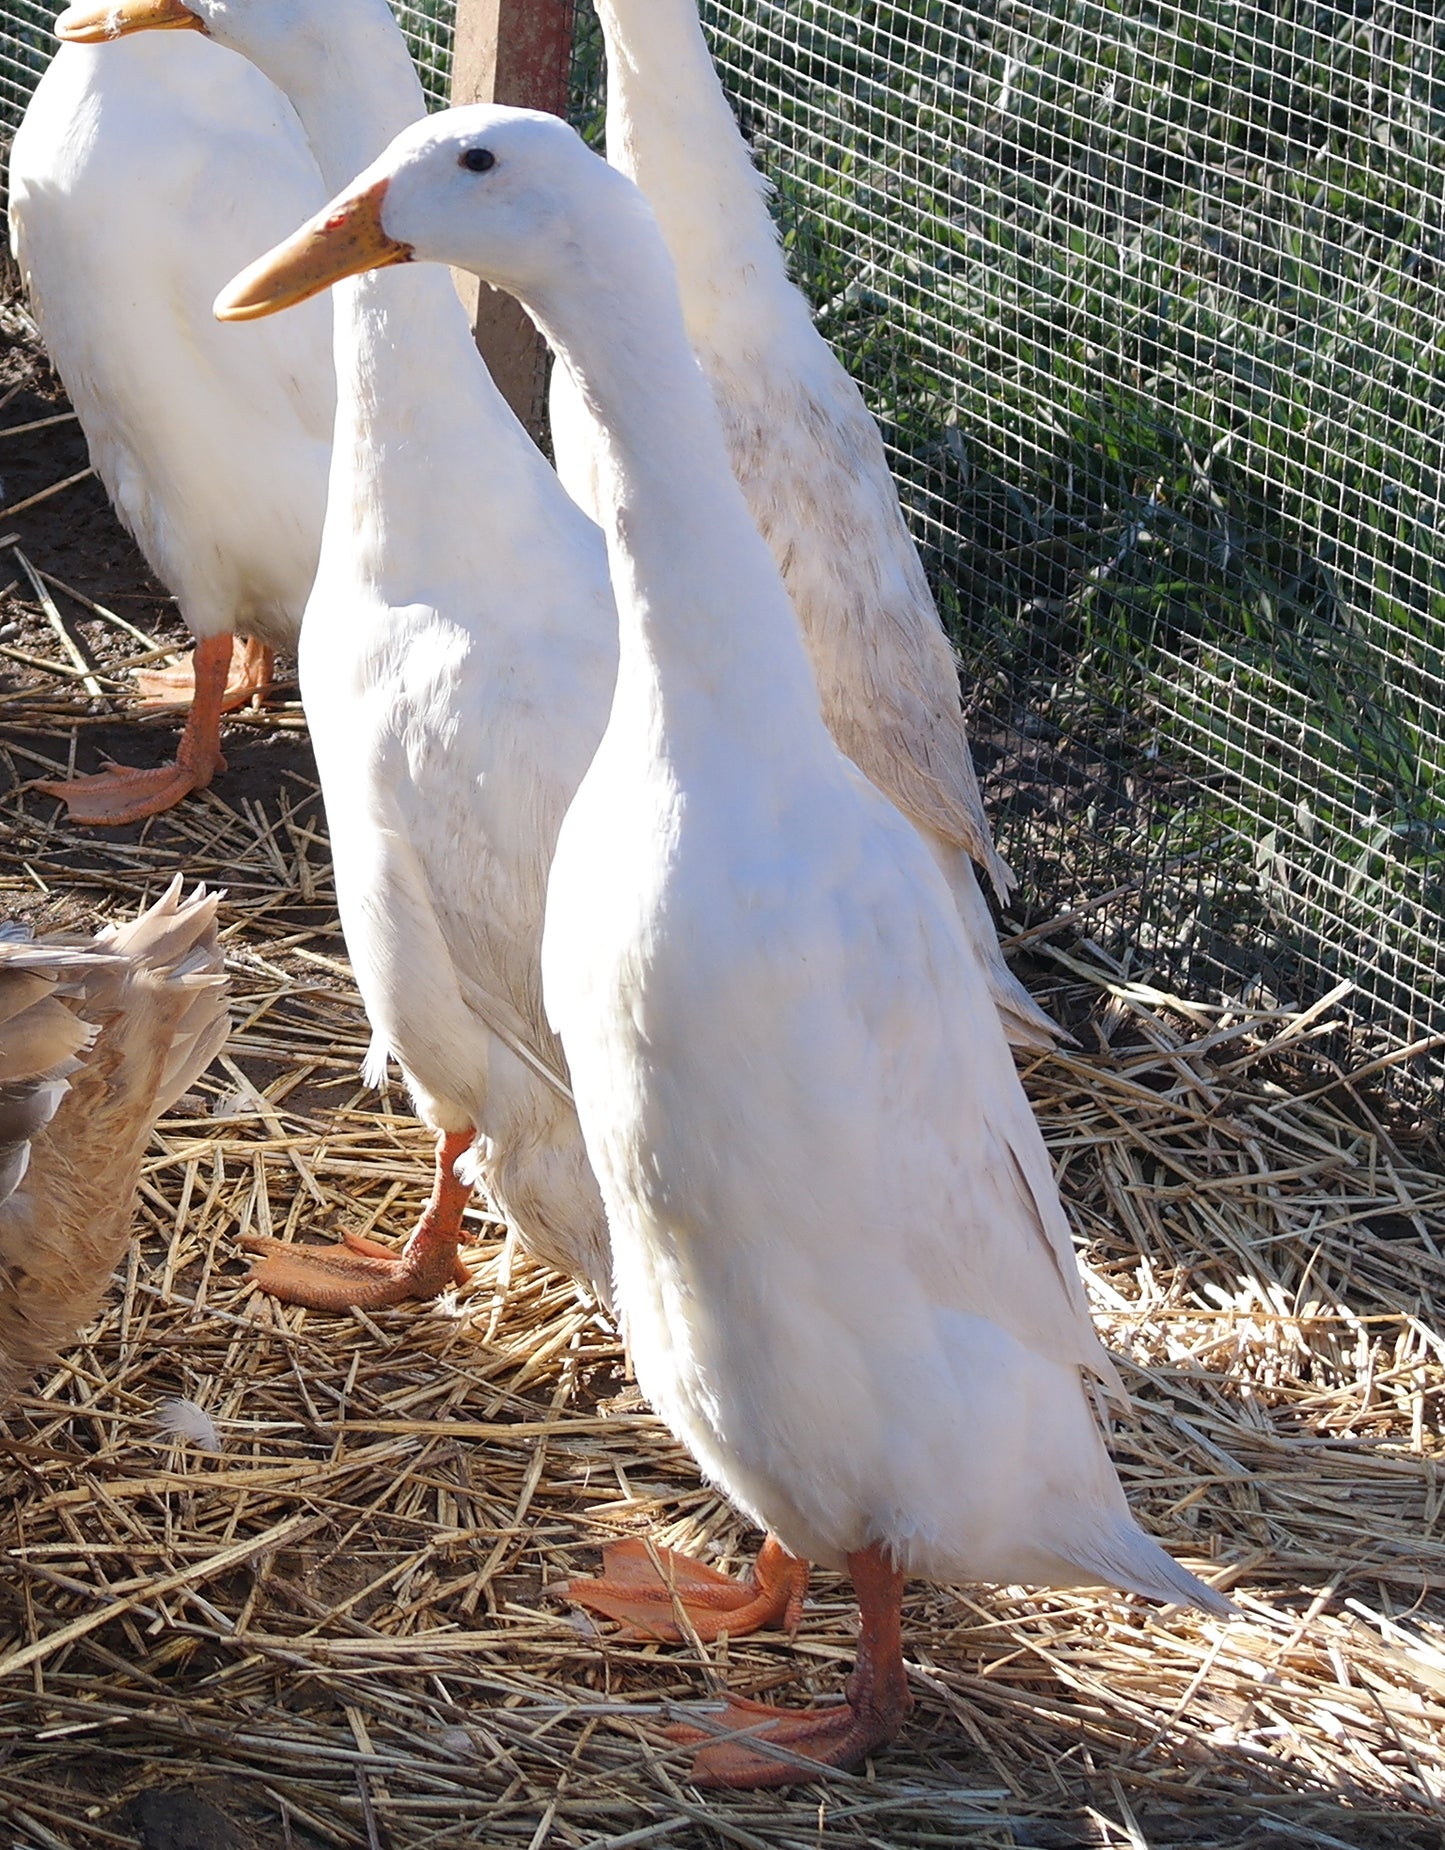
701	608
671	130
353	88
411	388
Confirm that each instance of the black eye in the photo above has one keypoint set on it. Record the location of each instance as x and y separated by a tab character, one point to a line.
476	160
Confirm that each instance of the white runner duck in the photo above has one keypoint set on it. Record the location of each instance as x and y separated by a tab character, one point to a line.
457	663
127	213
840	1258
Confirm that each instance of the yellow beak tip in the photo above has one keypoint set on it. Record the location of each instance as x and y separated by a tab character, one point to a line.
76	26
96	25
343	240
230	306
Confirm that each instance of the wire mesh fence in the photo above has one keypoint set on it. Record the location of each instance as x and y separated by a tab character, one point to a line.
1148	303
428	28
26	42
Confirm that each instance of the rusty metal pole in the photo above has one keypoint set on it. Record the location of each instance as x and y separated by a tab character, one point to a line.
518	52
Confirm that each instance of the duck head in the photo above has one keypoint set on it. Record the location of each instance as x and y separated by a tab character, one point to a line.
512	194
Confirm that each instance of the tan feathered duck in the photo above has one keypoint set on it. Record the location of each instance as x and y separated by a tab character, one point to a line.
97	1038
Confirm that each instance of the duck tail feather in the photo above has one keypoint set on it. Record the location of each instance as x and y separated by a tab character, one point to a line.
175	935
374	1068
1126	1557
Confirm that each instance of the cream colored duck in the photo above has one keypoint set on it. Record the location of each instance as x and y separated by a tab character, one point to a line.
142	175
840	1258
457	663
808	456
96	1040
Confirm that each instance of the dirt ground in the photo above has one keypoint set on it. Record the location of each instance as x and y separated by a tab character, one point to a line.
344	1627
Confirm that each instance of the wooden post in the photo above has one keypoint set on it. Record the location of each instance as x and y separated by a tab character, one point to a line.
518	52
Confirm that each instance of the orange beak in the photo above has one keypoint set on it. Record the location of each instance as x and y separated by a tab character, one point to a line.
94	25
343	240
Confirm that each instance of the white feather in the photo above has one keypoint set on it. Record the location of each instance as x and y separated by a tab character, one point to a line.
180	1418
144	173
456	664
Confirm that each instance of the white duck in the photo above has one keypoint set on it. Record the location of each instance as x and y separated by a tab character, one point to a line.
96	1040
142	175
809	458
841	1262
457	662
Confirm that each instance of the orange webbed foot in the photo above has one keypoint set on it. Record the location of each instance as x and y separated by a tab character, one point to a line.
166	687
356	1271
877	1706
642	1586
120	795
373	1249
840	1737
364	1273
249	673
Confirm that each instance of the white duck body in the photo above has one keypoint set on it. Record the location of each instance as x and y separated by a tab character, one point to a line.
808	456
455	693
143	174
862	1316
842	1264
457	662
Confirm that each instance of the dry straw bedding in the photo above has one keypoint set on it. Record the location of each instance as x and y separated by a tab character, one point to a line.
342	1627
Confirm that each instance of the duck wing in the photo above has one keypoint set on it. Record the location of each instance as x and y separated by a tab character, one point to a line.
96	1040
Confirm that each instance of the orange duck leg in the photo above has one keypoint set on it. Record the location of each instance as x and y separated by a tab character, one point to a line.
877	1706
250	672
642	1586
122	795
364	1273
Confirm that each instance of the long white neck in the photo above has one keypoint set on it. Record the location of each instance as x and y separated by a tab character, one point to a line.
415	404
354	89
702	612
670	129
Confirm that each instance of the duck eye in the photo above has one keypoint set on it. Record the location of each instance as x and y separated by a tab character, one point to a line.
477	160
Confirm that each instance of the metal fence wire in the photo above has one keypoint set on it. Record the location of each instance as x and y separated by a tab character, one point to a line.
26	42
428	28
1149	305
